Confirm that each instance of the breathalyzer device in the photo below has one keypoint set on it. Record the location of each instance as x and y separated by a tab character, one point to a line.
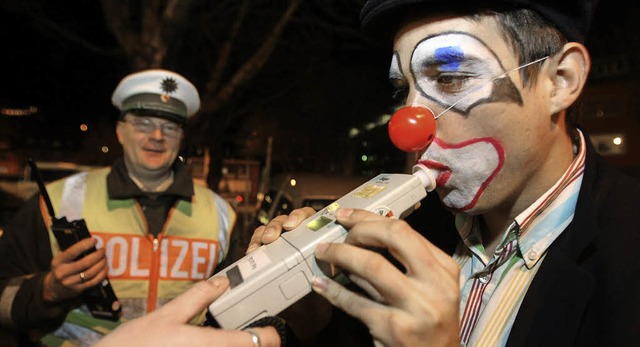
273	277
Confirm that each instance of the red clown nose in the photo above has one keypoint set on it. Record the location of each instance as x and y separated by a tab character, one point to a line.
412	128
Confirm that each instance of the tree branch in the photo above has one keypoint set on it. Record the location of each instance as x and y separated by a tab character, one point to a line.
225	52
214	103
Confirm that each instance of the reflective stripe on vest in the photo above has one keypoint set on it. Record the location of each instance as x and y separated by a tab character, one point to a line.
73	197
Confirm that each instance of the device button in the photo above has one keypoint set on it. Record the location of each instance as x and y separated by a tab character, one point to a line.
294	286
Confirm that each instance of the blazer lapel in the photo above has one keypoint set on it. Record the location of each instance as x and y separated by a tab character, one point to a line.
554	306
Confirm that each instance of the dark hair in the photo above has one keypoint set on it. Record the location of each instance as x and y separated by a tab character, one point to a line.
531	36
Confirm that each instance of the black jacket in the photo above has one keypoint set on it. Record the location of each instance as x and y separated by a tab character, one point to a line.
587	291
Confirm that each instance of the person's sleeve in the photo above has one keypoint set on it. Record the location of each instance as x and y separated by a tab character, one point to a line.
23	308
25	258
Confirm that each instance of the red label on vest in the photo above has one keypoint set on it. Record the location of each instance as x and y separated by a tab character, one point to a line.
131	256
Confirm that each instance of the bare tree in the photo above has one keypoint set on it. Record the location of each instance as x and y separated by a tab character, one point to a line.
146	29
226	47
237	38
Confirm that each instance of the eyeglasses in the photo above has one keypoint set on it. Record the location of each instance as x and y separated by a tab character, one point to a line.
147	126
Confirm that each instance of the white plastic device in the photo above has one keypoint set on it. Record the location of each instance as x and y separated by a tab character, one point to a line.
273	277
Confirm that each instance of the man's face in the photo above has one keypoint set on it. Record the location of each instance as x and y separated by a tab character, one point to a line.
150	144
490	144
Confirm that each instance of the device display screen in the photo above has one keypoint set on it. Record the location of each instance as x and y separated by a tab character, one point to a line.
318	223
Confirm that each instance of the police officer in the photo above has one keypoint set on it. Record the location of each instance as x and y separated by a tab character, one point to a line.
156	232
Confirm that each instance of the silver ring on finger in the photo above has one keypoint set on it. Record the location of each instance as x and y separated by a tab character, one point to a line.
82	276
255	338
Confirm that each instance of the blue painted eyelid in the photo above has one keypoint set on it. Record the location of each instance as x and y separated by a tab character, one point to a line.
450	58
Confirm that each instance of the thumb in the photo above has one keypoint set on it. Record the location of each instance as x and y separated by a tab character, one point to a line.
189	304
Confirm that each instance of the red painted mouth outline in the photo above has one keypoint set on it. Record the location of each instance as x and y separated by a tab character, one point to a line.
444	172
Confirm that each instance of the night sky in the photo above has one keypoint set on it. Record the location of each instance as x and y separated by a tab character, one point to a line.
47	63
60	57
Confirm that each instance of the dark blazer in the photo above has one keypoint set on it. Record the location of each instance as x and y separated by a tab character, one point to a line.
587	291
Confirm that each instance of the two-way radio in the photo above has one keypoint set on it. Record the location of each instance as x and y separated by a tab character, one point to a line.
100	299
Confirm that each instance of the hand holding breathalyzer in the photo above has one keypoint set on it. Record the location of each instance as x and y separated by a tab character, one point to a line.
277	275
411	308
265	234
423	301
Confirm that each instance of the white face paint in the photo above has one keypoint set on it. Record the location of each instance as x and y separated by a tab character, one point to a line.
494	138
459	69
465	169
449	67
394	71
455	69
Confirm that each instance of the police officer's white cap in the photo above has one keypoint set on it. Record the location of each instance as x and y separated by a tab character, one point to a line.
157	92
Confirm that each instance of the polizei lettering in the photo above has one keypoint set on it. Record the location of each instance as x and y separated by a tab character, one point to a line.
133	257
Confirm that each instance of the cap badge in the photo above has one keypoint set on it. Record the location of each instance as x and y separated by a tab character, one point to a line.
168	86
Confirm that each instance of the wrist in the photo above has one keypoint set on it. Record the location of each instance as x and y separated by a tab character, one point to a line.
48	294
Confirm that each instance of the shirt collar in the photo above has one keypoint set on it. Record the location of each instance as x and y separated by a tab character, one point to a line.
542	222
120	185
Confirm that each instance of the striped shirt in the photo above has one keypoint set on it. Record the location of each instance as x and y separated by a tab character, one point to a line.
492	288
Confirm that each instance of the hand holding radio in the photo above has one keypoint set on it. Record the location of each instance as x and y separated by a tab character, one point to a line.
70	276
79	267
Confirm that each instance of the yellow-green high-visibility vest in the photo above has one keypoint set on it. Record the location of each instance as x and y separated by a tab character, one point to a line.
145	271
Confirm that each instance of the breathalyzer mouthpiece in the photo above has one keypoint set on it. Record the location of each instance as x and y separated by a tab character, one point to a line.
426	175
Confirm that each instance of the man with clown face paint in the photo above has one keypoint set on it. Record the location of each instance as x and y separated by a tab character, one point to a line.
544	229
